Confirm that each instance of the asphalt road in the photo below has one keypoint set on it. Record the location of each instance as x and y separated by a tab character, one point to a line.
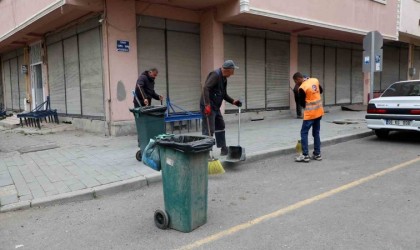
363	195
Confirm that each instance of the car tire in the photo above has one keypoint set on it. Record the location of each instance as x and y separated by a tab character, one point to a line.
381	133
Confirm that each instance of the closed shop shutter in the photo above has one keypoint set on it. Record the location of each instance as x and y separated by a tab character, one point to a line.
317	63
14	79
357	77
304	59
1	86
7	85
56	77
234	47
277	74
390	70
343	75
91	73
416	63
184	71
181	57
329	77
151	54
72	76
255	73
403	64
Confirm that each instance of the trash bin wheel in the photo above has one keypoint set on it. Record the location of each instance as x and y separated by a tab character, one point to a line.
138	155
161	219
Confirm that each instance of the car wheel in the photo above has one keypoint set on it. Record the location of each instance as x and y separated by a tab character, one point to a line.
380	133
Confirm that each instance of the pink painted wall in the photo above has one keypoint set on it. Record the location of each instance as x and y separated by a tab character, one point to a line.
293	68
165	11
16	12
363	15
410	16
119	24
212	47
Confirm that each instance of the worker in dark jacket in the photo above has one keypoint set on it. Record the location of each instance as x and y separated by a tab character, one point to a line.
145	88
214	92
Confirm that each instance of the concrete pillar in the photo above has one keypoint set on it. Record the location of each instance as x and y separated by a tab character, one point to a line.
410	61
294	45
120	68
212	45
366	87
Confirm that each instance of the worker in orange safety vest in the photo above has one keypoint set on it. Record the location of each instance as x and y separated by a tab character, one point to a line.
310	99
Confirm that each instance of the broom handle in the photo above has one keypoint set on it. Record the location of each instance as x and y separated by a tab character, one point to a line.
141	93
239	127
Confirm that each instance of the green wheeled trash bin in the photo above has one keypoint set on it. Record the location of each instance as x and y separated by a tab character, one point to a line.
150	122
184	163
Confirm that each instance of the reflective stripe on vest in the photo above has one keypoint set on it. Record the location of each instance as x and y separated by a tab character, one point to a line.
313	100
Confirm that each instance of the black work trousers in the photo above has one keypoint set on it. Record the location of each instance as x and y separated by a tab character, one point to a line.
217	126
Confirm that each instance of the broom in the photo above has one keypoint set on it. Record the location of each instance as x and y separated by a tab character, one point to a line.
215	166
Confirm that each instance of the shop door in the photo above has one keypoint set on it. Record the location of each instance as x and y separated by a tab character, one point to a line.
37	87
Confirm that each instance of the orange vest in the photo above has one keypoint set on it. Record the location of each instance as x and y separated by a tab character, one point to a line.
313	99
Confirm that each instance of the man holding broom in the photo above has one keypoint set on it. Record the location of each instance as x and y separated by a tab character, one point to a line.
145	88
214	92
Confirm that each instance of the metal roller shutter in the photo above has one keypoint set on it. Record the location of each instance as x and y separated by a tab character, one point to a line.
151	54
72	76
14	81
255	73
91	73
329	77
184	71
1	86
56	77
416	63
7	85
234	49
357	77
343	75
390	70
317	63
304	59
277	75
403	64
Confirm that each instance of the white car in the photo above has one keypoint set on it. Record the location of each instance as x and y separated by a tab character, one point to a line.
398	108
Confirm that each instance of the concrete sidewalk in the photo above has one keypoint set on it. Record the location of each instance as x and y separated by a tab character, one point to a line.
59	164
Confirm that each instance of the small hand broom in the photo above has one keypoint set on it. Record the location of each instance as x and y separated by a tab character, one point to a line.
215	166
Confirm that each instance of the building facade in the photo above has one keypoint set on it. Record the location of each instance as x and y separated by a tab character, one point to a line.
87	55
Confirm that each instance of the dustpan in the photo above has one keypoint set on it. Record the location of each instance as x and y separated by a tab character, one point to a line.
236	153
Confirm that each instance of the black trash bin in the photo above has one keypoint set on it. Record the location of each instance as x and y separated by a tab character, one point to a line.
150	122
184	162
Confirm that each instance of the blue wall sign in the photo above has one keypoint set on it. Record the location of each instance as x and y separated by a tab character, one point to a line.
123	46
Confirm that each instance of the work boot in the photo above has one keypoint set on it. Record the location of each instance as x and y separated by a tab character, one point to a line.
223	151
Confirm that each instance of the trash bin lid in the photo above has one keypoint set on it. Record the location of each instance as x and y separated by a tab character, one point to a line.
150	109
186	143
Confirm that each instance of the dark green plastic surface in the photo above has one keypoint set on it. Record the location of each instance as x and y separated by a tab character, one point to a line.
185	181
148	126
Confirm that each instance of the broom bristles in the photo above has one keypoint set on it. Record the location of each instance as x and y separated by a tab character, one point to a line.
215	167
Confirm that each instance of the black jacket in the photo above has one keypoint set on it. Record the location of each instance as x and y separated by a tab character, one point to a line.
147	86
214	90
